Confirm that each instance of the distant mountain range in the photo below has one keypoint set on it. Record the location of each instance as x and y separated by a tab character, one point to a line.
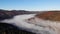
6	14
18	11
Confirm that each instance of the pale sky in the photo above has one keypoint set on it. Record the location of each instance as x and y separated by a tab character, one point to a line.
31	5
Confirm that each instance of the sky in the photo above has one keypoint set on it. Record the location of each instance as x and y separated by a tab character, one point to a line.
31	5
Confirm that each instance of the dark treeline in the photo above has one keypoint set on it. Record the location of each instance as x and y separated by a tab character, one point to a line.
6	28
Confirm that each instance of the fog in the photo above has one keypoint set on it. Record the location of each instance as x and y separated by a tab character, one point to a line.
21	22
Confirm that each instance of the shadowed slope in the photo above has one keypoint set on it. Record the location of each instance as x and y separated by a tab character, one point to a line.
11	29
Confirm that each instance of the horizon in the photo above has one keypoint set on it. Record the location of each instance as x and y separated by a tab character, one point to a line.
30	10
30	5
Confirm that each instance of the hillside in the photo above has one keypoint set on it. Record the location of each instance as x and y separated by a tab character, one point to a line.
9	28
6	14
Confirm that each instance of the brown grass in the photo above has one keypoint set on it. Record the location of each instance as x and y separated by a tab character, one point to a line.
50	15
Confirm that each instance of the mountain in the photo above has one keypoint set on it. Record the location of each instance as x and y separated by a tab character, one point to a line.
6	14
9	28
